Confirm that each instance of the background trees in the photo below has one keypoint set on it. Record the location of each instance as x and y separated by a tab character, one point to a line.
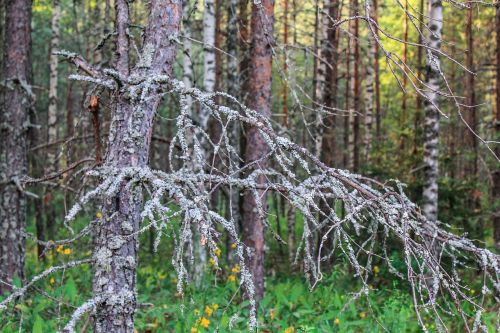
179	161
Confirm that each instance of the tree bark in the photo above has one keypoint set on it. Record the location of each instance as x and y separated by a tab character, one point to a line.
469	112
496	172
370	76
53	63
431	140
116	240
256	148
16	100
354	112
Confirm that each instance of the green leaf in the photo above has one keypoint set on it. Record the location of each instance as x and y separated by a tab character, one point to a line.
38	325
70	289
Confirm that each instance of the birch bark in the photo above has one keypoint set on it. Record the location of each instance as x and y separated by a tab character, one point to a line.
431	129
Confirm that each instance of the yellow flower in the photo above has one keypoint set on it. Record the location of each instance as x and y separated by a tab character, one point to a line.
67	251
52	280
215	306
194	329
217	251
336	321
98	215
272	314
376	270
204	322
60	249
196	312
290	329
231	278
236	269
208	310
212	261
233	246
362	315
472	291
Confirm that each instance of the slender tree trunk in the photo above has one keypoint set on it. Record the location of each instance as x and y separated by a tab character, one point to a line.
285	63
347	100
53	63
376	67
469	113
496	172
370	76
16	98
321	78
354	112
256	147
418	107
52	121
233	89
431	140
116	240
404	111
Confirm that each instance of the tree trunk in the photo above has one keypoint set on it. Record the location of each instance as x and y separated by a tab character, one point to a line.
53	62
233	88
116	241
354	138
16	100
404	111
378	115
370	76
496	172
469	112
418	106
431	140
256	148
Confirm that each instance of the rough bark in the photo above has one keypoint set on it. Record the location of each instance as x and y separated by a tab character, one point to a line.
16	100
256	148
116	241
431	129
496	171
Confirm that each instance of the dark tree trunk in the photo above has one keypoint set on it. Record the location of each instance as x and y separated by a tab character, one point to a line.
116	241
260	75
496	172
15	103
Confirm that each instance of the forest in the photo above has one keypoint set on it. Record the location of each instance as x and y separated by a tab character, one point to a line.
249	166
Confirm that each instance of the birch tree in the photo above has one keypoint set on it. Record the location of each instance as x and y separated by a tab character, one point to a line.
431	128
16	99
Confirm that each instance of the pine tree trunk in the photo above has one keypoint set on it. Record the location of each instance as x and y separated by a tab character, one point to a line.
378	113
431	129
256	148
496	172
370	77
418	104
16	98
116	241
469	112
